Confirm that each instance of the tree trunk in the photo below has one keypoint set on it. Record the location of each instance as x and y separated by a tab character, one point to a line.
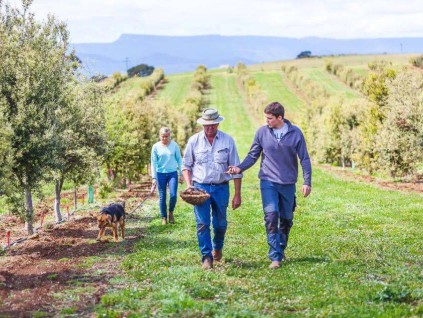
75	198
29	211
124	182
58	190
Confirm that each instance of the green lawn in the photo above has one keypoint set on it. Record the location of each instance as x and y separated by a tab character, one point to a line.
355	251
176	88
333	86
273	85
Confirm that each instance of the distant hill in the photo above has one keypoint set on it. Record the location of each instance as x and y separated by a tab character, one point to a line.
176	54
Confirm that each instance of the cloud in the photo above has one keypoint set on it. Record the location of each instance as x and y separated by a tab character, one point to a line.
106	20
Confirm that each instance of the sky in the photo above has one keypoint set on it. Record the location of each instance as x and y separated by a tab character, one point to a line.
105	20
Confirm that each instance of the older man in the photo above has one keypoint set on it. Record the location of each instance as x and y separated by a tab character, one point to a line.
207	156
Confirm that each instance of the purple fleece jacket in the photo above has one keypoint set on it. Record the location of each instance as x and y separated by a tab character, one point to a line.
279	161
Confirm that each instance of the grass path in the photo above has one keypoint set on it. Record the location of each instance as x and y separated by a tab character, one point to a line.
332	86
176	88
355	251
272	84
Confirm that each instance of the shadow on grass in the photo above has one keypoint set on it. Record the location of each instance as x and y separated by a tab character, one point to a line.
310	259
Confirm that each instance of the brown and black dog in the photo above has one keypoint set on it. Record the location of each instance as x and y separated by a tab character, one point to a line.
112	216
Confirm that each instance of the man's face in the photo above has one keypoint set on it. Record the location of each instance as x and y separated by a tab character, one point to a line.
272	121
210	130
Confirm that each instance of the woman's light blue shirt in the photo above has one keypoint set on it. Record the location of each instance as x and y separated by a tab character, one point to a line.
165	158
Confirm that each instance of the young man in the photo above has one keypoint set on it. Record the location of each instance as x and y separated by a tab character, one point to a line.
207	156
280	144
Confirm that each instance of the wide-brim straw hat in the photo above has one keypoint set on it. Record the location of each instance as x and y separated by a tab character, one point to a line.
210	116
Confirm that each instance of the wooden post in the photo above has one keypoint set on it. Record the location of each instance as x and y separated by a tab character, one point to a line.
8	238
42	218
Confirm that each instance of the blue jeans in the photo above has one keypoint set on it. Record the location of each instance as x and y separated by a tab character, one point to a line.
217	204
163	181
278	205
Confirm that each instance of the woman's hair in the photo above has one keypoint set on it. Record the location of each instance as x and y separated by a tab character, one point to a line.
276	109
164	130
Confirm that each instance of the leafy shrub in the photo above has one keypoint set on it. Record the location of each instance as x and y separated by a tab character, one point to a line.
105	188
400	139
417	61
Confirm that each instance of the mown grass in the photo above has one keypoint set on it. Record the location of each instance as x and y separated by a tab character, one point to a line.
355	251
176	88
272	84
330	84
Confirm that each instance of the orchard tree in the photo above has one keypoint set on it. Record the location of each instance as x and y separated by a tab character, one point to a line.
5	156
34	71
400	140
80	138
375	85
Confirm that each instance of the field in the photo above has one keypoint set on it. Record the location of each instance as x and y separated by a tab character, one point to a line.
355	247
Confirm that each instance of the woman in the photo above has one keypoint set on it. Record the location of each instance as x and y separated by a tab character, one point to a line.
166	164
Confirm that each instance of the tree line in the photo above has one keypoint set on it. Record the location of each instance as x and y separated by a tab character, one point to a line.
52	119
381	132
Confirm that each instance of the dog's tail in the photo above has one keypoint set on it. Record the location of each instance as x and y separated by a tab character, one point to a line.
123	203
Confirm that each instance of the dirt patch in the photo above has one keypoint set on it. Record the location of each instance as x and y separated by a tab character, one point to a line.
347	174
63	269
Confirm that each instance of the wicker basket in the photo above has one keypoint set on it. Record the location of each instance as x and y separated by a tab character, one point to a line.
194	196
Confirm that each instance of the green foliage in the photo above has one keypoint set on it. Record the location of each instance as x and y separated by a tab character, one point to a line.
105	188
256	97
345	74
113	81
417	61
141	70
373	135
54	124
35	70
304	54
183	119
240	68
374	85
98	78
131	126
400	138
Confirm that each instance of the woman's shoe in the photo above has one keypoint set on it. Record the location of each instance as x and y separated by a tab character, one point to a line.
171	218
164	221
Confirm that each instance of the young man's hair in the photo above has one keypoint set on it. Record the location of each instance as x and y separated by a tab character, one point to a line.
276	109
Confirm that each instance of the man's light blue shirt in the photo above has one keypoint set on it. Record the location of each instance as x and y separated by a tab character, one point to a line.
165	158
207	162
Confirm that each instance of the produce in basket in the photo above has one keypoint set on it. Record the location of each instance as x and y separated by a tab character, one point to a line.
194	195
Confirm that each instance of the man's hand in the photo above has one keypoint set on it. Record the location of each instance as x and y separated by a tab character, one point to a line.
181	179
306	190
236	202
233	170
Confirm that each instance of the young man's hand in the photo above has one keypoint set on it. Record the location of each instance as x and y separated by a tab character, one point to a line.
306	190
